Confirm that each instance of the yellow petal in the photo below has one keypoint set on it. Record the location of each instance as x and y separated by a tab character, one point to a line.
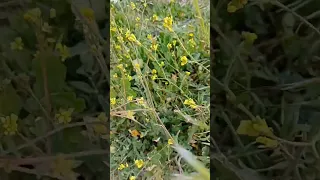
267	142
246	128
135	133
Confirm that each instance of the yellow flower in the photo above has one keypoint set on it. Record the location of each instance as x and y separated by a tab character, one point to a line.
137	66
254	128
113	101
120	30
133	6
118	47
129	98
127	34
113	29
167	23
154	71
132	178
184	60
169	46
138	43
249	37
64	116
32	15
174	42
191	35
129	77
192	43
232	8
155	18
149	36
132	38
267	142
120	39
135	133
235	5
123	166
88	13
17	44
261	126
63	51
154	77
140	100
127	56
139	163
120	66
154	47
9	124
187	73
191	103
170	141
130	114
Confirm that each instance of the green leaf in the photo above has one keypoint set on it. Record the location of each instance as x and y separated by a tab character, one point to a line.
87	62
68	100
68	141
39	128
56	73
288	21
191	159
99	7
10	101
227	171
82	86
80	48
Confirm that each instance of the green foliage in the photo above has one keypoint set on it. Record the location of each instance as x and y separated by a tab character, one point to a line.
10	101
51	95
266	61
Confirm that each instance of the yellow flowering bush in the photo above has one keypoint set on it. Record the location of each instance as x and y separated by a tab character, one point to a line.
156	69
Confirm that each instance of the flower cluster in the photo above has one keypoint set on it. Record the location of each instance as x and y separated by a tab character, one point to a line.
258	128
63	51
17	44
190	102
167	23
9	124
64	116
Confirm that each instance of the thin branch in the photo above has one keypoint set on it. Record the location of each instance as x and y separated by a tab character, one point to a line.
50	133
20	161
